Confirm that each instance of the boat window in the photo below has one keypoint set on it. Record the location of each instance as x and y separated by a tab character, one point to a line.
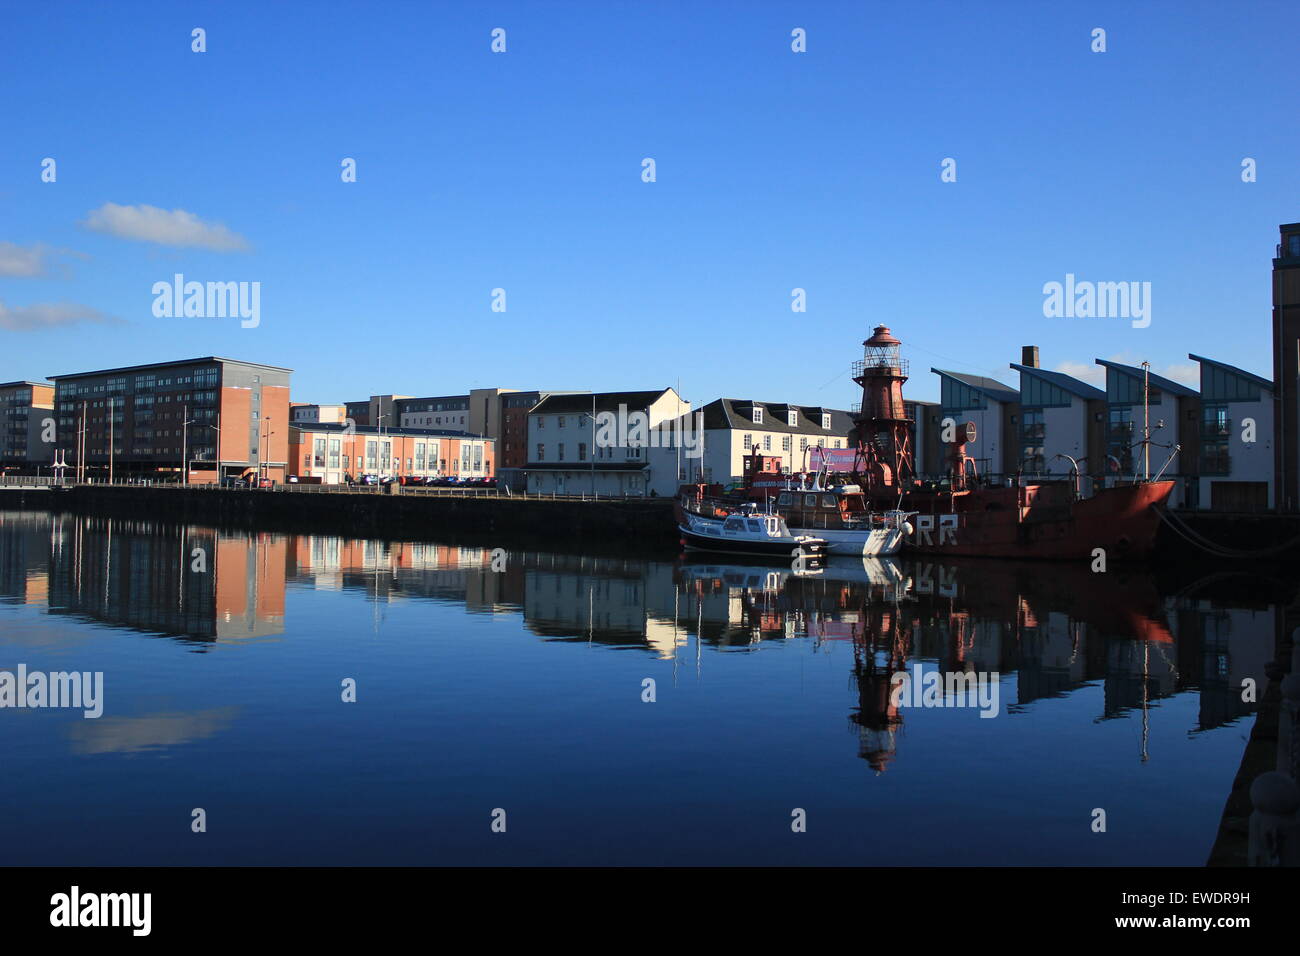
771	526
755	525
785	499
810	501
828	501
734	524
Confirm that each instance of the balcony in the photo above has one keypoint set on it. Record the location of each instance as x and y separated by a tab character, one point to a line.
1216	464
1218	430
899	368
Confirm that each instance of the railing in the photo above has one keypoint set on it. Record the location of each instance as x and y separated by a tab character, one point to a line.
356	489
894	368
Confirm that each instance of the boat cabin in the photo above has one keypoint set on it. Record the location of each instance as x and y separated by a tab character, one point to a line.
842	508
748	525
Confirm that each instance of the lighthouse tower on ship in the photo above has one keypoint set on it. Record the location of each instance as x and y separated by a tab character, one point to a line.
883	432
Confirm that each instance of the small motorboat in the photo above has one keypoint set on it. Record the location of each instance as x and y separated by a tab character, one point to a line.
750	531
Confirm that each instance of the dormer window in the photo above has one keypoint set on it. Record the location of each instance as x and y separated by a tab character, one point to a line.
826	420
758	415
792	419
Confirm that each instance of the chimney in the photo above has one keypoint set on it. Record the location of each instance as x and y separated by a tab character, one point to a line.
1029	356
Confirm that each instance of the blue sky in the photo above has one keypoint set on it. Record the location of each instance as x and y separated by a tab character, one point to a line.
522	171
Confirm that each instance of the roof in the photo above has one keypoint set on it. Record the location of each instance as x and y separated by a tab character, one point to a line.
737	413
374	430
24	382
988	387
1159	381
604	401
1249	376
1067	382
191	361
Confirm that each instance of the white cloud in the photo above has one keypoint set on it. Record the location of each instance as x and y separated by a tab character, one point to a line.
175	228
1090	372
32	262
22	262
1189	375
48	315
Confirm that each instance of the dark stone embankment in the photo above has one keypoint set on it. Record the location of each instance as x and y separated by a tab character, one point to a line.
602	526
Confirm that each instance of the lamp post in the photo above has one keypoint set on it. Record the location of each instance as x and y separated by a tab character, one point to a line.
217	429
186	422
266	438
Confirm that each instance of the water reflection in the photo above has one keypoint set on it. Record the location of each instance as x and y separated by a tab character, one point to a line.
1047	631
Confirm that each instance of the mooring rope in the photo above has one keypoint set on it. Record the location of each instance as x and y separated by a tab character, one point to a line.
1199	540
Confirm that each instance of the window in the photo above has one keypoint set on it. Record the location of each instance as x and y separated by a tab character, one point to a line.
582	451
767	443
561	453
560	422
1216	427
1033	433
792	419
541	452
758	416
335	445
785	443
747	442
826	419
1120	439
541	422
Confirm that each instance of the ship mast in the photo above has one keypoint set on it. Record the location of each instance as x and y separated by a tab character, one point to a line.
883	463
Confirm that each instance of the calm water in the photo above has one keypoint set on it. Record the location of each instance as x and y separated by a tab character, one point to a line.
224	653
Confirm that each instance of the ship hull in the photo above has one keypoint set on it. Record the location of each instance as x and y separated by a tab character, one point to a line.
1121	521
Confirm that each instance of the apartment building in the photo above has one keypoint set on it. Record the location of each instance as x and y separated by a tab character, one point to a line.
304	413
737	428
331	451
993	407
592	443
1060	425
217	416
26	421
1286	367
1170	413
1236	468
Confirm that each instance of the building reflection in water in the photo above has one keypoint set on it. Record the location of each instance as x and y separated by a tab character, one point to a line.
1047	631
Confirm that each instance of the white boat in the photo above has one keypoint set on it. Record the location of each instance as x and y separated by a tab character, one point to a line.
830	513
751	532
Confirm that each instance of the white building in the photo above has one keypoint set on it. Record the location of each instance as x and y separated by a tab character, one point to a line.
733	427
1236	453
598	444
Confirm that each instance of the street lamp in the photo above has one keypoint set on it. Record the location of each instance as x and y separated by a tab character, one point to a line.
185	445
217	429
266	438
